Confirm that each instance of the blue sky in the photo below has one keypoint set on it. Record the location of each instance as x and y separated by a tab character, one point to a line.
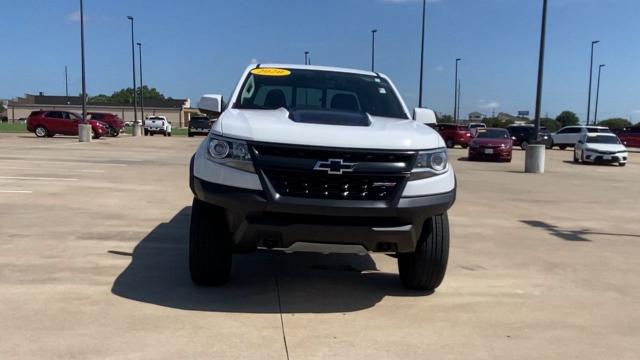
201	46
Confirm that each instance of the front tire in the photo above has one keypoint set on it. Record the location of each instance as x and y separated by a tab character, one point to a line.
210	246
424	268
524	145
450	144
41	131
563	147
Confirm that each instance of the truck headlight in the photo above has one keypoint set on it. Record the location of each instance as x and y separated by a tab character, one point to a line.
430	163
232	153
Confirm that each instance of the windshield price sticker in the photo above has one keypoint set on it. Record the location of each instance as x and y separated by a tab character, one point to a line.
271	72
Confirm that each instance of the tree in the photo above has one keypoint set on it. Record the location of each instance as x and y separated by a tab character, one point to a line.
445	119
125	96
550	124
616	123
568	118
497	122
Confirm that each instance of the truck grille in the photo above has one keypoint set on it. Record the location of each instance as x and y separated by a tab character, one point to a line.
324	154
308	184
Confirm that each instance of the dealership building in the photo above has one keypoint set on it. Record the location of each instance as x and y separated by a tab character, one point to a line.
177	111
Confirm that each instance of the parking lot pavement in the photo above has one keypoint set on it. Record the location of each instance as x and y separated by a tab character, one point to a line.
93	265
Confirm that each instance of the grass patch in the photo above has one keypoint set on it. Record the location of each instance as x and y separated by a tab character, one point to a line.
13	128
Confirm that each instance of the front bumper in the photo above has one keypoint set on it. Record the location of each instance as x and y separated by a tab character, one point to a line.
492	154
605	158
256	220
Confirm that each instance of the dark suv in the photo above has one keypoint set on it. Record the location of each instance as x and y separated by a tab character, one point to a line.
199	125
113	123
521	135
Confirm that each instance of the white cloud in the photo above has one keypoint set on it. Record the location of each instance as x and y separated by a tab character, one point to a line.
253	61
489	105
439	68
635	112
74	16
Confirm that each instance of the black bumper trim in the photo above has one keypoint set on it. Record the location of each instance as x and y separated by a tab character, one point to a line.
284	221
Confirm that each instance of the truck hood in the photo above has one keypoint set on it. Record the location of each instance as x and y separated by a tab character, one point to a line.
275	126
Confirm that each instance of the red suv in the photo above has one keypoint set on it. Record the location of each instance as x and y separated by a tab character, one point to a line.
114	123
630	137
455	134
50	123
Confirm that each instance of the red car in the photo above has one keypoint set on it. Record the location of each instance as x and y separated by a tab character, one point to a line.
491	144
630	137
454	134
50	123
114	123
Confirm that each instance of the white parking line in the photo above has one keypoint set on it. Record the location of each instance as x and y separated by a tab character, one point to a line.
65	162
54	169
35	178
16	191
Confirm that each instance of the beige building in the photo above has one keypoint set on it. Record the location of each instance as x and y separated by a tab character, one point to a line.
177	111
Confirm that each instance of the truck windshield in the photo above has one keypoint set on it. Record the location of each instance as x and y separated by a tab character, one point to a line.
319	90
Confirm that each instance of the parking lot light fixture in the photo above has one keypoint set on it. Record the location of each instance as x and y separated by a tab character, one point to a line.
595	113
535	153
455	93
137	131
424	13
84	129
373	49
141	85
593	43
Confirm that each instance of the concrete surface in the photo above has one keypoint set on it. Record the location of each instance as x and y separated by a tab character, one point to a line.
93	265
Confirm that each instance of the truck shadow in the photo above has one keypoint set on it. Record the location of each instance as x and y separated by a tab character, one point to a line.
266	281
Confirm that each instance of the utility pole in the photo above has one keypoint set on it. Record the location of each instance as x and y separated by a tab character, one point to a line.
136	126
595	114
455	93
424	14
593	43
373	49
306	58
141	85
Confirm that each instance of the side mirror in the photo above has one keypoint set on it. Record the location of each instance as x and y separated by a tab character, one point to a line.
210	103
424	116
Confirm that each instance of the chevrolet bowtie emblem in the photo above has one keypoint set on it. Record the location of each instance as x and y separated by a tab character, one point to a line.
335	166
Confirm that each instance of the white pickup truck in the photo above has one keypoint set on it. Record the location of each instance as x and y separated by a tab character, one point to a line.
322	155
157	125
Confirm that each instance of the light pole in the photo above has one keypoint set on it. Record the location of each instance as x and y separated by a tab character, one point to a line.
535	155
136	125
66	83
455	94
306	58
459	96
373	49
84	129
424	12
595	114
141	85
593	43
